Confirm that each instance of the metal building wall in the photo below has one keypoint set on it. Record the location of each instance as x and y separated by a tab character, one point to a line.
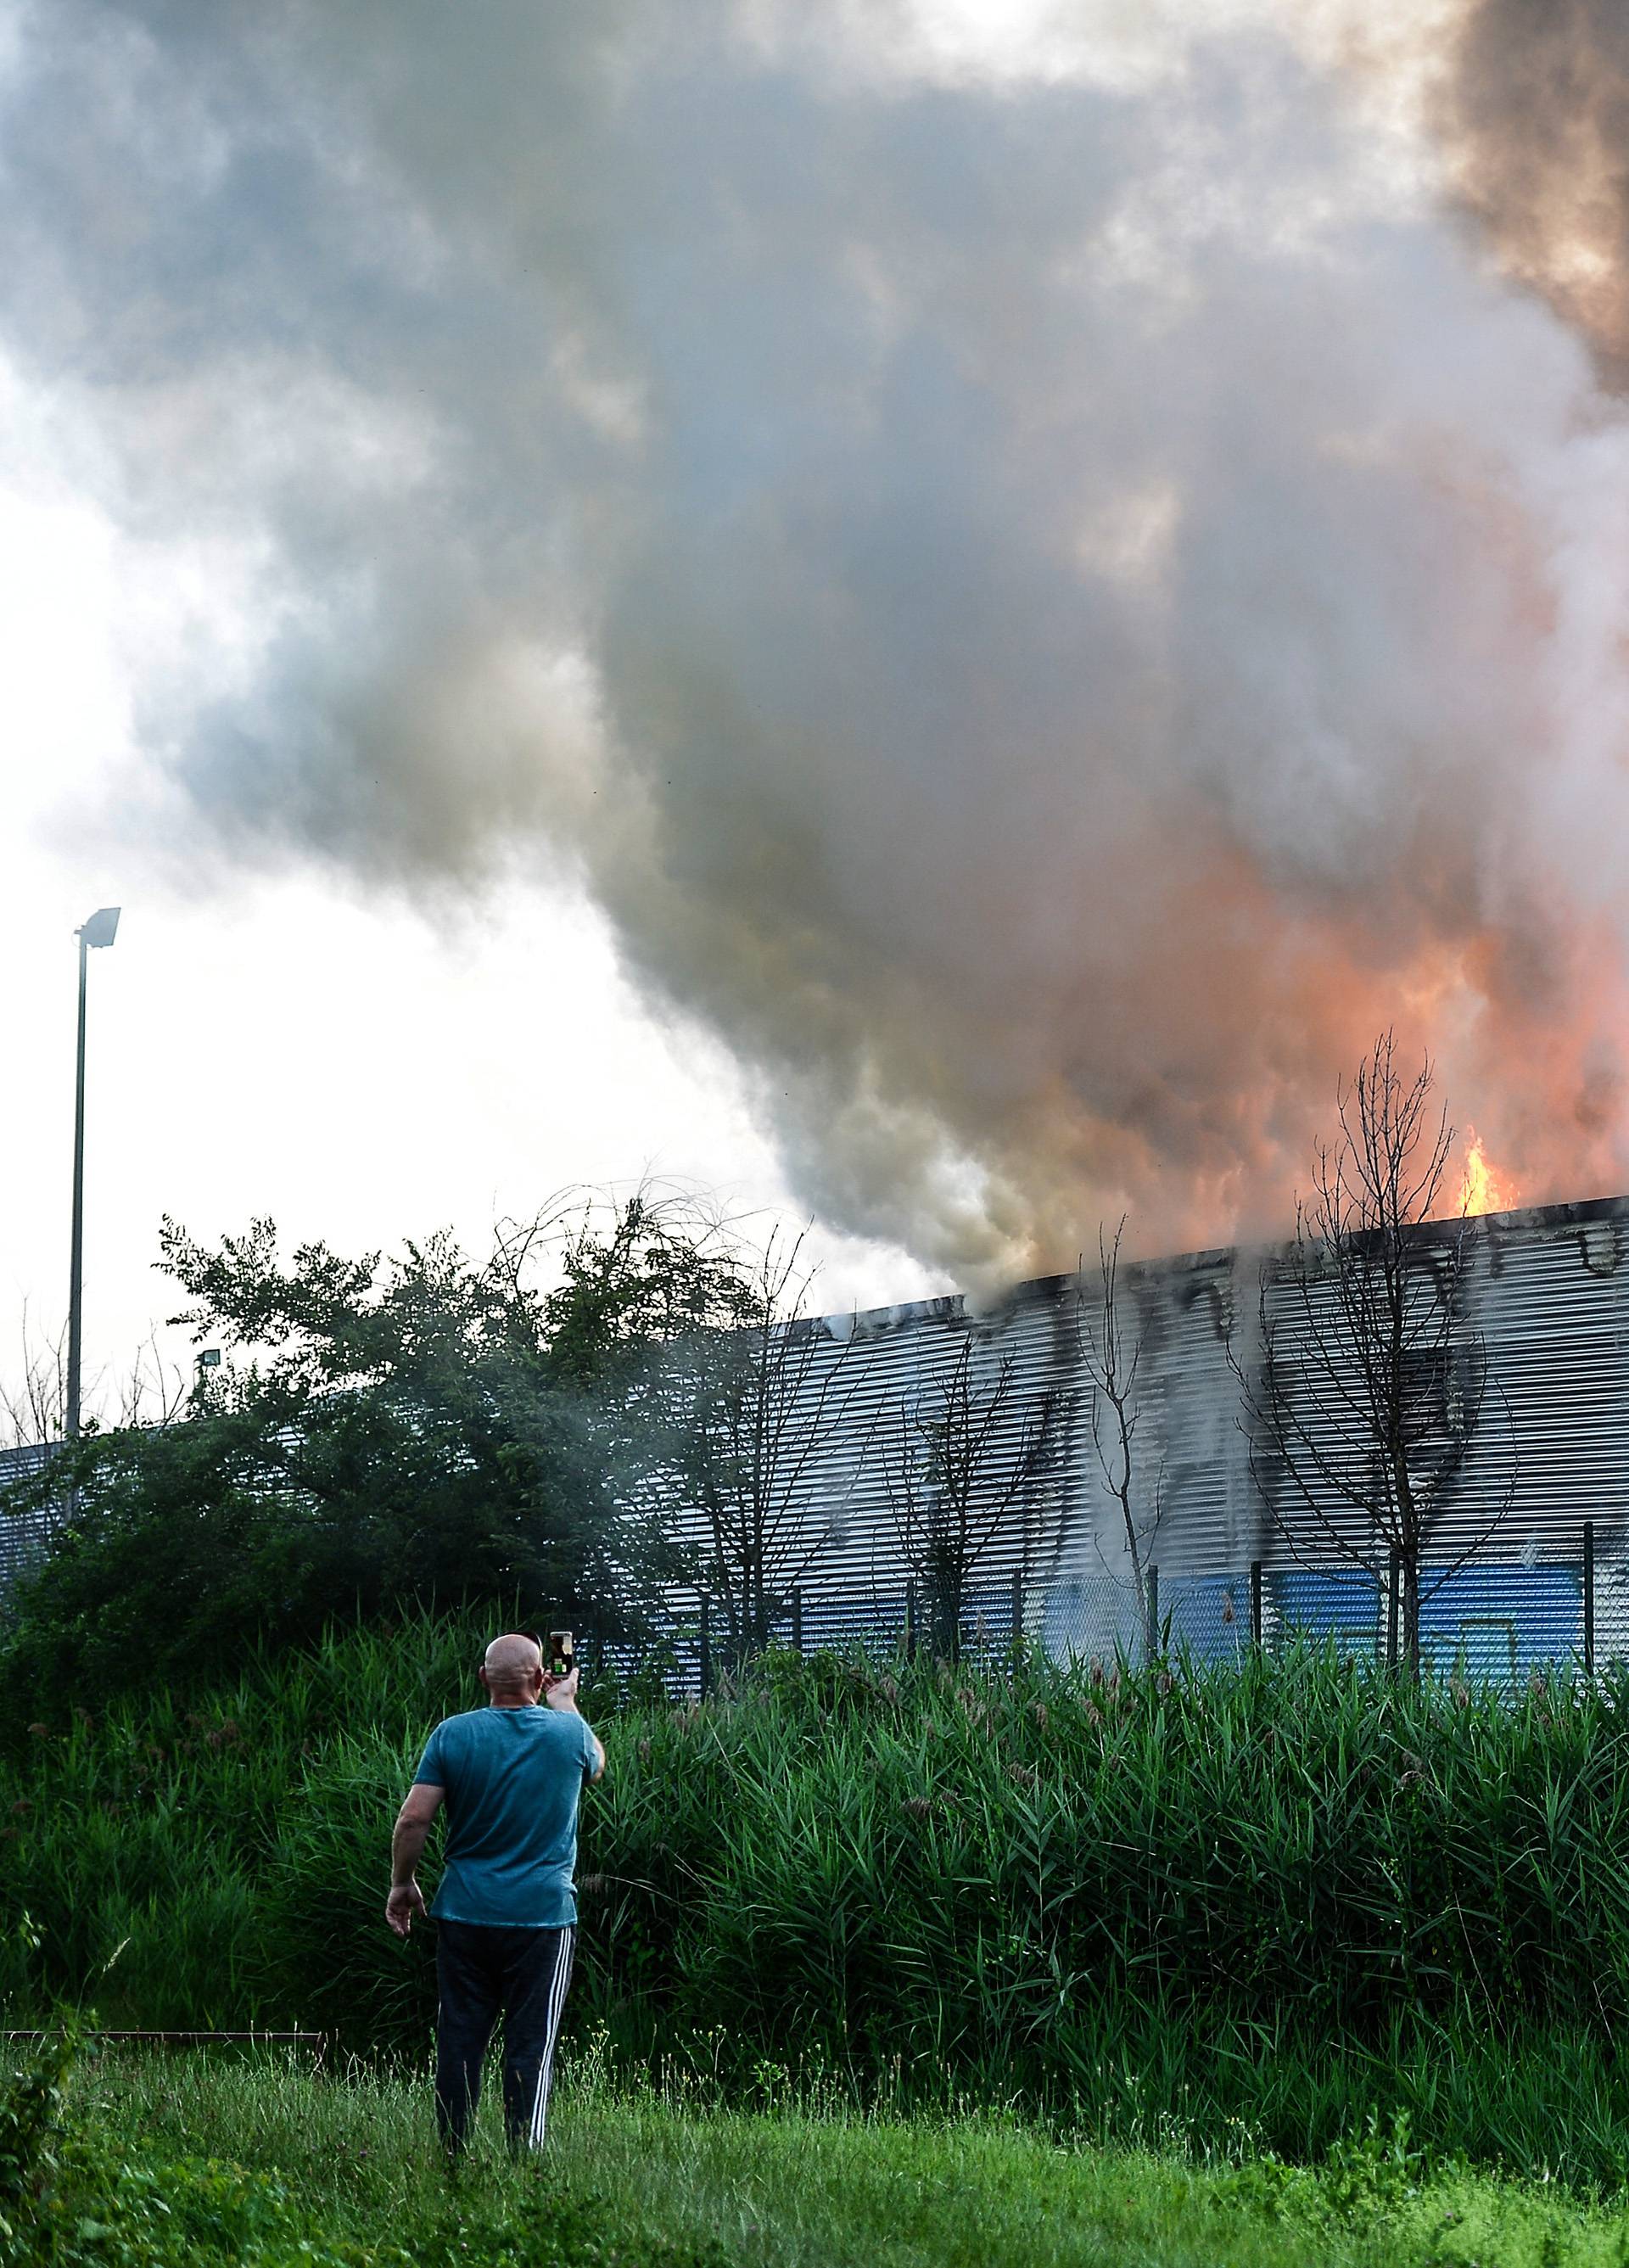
23	1537
1544	1289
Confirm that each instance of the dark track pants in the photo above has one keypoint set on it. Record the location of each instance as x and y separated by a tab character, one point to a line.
521	1975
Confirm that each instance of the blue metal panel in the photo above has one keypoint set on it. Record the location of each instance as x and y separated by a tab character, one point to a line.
1343	1603
1501	1623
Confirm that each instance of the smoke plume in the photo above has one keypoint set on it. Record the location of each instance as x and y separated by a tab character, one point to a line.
1048	603
1536	113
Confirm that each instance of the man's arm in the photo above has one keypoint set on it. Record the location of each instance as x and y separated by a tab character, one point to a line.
561	1694
407	1848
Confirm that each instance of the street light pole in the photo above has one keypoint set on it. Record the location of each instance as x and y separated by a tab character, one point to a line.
100	930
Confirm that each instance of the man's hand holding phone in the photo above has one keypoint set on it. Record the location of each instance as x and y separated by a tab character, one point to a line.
560	1670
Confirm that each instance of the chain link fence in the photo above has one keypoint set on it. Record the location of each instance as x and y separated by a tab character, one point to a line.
1488	1623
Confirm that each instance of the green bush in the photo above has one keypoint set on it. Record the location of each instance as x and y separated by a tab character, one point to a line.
1152	1902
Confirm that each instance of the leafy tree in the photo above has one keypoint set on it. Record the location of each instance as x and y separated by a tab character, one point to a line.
421	1428
648	1272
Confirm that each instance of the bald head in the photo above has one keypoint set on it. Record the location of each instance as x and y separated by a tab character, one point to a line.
513	1668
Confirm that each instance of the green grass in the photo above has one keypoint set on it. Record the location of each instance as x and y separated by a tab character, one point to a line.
812	2186
1147	1908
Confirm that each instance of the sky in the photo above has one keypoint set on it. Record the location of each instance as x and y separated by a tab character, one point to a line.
923	615
285	1046
361	1068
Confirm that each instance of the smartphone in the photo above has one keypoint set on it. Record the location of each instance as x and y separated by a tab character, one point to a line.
562	1656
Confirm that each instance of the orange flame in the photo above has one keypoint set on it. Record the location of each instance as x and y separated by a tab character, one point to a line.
1482	1189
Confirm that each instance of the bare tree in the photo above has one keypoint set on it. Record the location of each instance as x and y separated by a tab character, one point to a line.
1112	1361
41	1491
154	1392
762	1401
32	1407
968	1461
1368	1386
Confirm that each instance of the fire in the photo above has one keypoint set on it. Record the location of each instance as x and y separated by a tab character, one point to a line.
1482	1189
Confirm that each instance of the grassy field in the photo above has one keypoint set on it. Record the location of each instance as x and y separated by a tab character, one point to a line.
264	2163
1152	1910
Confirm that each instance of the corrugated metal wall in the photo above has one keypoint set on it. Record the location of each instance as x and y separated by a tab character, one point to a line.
1542	1290
22	1538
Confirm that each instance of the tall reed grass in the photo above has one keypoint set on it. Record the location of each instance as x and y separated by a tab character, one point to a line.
1151	1903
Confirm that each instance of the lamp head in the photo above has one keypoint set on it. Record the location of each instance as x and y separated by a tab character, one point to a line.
102	927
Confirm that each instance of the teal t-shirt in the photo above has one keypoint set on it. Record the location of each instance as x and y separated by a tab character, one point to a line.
513	1778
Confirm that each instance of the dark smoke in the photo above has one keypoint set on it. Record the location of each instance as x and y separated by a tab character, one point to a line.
1048	609
1535	111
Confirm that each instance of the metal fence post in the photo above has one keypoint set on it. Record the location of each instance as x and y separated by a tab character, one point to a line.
1392	1591
911	1622
1590	1598
1018	1609
797	1620
705	1649
1255	1602
1153	1611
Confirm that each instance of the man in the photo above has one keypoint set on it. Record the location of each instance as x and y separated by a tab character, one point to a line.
505	1911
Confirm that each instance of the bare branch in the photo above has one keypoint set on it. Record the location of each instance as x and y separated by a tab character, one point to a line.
1113	1365
1367	1388
957	1480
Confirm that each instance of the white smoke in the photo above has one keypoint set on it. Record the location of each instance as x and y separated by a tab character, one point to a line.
1047	603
